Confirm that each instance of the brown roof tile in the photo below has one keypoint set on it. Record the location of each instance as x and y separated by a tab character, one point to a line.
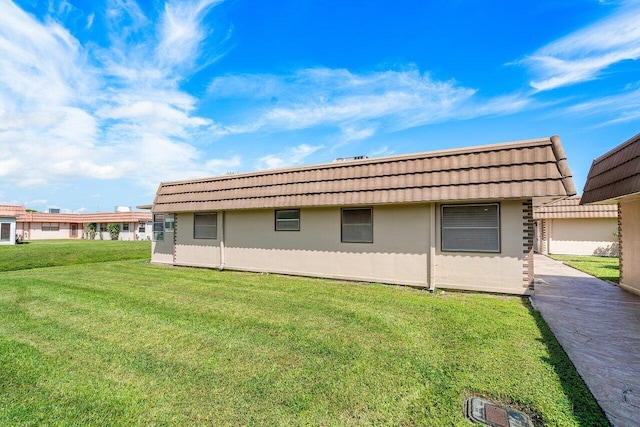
532	168
614	174
571	208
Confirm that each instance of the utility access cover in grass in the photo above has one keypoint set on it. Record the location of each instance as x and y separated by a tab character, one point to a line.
488	413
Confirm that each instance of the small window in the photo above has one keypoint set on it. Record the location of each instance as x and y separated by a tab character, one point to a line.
205	226
357	225
142	227
103	227
50	226
158	227
125	226
168	223
5	231
471	228
288	220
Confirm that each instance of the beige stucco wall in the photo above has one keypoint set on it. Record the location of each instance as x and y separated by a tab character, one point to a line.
162	251
630	210
490	272
36	233
398	253
195	252
583	236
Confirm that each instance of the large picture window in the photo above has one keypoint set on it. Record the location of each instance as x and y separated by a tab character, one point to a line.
205	226
158	227
357	225
288	220
471	228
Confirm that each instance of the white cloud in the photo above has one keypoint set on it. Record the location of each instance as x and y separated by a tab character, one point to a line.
584	54
291	156
69	110
358	105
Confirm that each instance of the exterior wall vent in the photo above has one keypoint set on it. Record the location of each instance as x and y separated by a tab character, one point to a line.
346	159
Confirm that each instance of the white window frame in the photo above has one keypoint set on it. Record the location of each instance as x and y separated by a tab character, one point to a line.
158	227
443	229
279	221
196	235
342	224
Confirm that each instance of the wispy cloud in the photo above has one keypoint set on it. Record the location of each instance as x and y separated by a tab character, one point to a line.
70	110
617	108
584	54
356	104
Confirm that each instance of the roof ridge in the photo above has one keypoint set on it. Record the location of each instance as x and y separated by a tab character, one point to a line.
618	148
398	157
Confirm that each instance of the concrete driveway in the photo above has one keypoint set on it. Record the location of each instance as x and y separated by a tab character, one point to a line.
598	326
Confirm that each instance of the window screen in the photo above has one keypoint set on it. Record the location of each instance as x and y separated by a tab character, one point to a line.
158	227
357	225
168	223
471	228
288	220
50	226
5	231
205	226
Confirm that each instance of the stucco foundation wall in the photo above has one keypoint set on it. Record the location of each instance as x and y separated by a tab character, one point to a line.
630	256
398	253
583	236
195	252
491	272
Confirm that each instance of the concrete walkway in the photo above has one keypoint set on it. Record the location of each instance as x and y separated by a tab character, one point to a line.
598	326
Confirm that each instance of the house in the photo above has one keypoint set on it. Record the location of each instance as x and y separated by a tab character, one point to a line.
7	224
459	219
614	178
50	225
566	227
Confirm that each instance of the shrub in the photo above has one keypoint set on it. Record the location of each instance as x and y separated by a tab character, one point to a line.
114	231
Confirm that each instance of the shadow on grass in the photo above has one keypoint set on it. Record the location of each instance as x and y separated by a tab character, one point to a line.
586	410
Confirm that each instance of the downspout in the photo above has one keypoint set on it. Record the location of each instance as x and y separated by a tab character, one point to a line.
432	247
222	224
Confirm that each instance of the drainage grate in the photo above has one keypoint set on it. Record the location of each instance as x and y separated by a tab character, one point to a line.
488	413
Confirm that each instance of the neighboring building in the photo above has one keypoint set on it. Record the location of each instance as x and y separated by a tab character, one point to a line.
46	225
461	219
613	178
7	225
565	227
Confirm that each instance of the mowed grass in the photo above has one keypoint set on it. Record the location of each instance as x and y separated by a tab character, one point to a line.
606	268
130	343
48	253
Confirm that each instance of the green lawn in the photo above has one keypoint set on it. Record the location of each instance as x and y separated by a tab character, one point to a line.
126	342
48	253
605	268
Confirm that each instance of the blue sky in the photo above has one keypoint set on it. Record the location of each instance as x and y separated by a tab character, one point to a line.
100	101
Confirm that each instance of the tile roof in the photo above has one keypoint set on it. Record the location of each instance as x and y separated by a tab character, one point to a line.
571	208
531	168
614	174
11	210
21	215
